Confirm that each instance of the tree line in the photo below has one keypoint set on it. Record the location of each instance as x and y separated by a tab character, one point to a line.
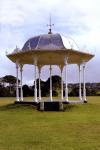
8	87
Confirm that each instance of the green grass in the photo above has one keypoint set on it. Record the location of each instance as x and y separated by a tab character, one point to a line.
25	128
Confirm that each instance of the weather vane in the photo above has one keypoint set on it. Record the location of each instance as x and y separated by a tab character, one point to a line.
50	26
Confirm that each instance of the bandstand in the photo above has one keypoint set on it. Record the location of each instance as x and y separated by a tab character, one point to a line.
49	49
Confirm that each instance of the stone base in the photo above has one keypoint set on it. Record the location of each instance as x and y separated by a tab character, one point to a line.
85	101
50	106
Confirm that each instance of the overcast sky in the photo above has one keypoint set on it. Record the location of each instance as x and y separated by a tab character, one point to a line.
22	19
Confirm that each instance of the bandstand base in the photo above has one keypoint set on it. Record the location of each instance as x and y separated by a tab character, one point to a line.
48	105
44	106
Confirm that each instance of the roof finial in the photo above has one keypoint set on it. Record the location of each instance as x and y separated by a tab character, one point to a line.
50	26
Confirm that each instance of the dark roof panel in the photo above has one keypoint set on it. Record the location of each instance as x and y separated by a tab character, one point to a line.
44	42
31	43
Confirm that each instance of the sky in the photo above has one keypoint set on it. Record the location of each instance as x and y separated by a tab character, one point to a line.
78	19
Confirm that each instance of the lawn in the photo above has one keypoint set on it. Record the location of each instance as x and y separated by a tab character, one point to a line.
25	128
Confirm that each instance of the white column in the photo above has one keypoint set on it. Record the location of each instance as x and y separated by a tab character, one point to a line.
50	83
84	88
21	82
66	88
35	93
17	82
39	68
61	68
80	92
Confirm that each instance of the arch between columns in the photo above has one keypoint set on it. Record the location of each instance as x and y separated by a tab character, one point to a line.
36	99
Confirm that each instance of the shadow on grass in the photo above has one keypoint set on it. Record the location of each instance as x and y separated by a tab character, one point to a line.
13	106
16	107
69	107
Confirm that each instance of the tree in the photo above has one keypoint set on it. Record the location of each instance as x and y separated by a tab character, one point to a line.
56	85
26	90
11	80
43	88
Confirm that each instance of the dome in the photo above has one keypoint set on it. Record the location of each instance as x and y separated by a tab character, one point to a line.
44	42
50	49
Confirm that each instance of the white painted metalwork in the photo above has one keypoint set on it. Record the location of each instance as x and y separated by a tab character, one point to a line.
49	49
66	88
80	92
21	82
61	69
84	88
39	69
35	66
17	82
51	83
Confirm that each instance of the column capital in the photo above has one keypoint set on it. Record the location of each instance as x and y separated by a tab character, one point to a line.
50	67
17	61
39	68
35	60
84	64
79	66
61	67
66	60
21	67
17	64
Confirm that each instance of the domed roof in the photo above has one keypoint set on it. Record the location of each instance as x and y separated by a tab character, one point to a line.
44	42
53	47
